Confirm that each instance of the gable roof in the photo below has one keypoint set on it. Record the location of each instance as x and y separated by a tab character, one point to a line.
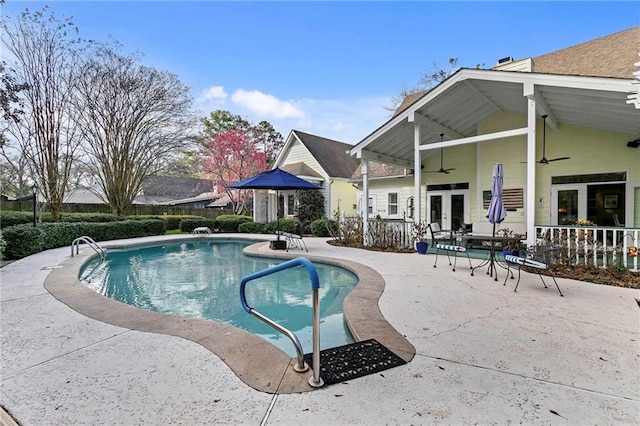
332	155
607	56
300	169
381	170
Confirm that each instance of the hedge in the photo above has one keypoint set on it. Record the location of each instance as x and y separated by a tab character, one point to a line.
324	227
251	228
25	240
188	225
230	223
284	225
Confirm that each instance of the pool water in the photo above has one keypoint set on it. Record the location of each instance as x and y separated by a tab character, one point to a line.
201	279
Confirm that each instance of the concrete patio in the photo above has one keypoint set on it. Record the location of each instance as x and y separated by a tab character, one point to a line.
483	355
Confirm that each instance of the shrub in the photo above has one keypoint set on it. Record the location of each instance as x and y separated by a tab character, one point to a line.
230	223
310	207
12	218
3	245
25	240
171	221
22	241
324	227
251	228
286	225
188	225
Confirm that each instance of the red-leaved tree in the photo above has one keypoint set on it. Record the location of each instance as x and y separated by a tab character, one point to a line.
232	156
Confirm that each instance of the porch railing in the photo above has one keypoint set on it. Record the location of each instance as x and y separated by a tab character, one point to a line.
588	245
594	245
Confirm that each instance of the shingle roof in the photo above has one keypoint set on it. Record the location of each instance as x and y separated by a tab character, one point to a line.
175	187
379	170
300	169
332	155
408	100
606	56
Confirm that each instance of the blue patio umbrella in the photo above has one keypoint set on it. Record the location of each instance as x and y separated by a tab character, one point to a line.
275	179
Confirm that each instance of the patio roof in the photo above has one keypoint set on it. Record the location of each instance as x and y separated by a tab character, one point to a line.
459	104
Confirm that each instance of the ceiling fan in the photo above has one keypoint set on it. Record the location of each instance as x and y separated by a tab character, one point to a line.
442	169
544	159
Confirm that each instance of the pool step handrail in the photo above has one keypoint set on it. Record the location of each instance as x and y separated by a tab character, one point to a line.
89	241
315	380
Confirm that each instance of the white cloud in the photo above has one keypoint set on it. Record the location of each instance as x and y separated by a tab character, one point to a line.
213	94
264	105
344	120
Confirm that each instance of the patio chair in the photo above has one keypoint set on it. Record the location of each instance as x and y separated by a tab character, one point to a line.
295	240
540	259
452	247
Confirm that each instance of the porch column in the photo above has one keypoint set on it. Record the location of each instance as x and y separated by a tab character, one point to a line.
365	203
417	173
529	92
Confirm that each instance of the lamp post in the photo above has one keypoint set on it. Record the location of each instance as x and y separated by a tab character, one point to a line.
34	191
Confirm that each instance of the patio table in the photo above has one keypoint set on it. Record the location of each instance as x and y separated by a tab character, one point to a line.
491	261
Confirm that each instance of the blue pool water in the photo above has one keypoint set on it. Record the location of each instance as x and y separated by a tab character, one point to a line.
201	279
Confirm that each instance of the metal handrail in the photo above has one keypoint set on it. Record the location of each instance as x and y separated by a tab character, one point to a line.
301	366
90	243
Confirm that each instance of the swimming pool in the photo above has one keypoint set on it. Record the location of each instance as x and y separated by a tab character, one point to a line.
200	279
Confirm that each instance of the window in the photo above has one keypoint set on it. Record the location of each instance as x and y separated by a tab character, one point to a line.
393	203
291	204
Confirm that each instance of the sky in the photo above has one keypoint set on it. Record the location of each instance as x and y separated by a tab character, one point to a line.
329	68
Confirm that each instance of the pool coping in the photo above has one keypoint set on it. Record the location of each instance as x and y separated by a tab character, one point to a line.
256	362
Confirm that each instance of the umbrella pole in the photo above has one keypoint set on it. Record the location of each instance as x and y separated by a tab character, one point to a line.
278	214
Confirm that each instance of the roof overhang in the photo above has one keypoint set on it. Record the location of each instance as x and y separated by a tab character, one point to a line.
458	105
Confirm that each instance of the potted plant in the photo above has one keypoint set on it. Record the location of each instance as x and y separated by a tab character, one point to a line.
419	233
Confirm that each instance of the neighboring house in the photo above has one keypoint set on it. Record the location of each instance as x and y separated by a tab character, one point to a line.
159	190
495	116
318	160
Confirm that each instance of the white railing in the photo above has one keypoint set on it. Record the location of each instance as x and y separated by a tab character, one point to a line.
596	245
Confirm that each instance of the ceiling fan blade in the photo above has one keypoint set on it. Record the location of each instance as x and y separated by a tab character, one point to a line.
559	159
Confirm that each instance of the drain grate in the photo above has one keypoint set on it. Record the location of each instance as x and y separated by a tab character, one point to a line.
354	360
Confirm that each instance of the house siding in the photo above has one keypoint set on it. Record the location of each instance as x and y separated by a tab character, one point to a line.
343	195
591	151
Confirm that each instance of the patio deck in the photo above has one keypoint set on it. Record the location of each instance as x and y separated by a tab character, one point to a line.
484	354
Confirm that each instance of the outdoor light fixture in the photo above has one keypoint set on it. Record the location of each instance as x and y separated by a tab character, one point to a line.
34	191
633	144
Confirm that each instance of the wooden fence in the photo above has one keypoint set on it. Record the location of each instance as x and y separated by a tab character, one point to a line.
136	209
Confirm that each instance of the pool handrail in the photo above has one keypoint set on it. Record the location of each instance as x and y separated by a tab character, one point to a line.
86	239
301	366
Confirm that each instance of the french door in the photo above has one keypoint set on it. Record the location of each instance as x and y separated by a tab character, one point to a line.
450	209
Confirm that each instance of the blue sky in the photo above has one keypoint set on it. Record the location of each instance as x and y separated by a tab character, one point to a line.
329	68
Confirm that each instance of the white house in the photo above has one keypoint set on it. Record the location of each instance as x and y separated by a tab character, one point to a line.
566	127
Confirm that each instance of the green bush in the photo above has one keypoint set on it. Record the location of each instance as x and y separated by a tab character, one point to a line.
171	221
3	246
324	227
82	217
230	223
251	228
22	241
286	225
12	218
188	225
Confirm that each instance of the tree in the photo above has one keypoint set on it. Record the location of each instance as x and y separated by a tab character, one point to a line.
263	135
132	119
45	53
310	207
427	81
232	156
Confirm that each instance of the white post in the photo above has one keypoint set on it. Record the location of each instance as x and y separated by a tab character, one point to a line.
417	173
365	189
529	92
